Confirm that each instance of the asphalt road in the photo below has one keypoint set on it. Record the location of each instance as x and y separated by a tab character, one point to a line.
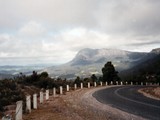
127	98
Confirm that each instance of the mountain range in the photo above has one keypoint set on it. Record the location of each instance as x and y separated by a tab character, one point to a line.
90	61
87	62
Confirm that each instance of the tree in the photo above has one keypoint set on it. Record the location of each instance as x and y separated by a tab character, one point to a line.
34	77
109	73
78	81
44	74
94	78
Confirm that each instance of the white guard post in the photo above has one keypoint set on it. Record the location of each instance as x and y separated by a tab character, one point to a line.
88	84
111	82
121	83
106	83
95	84
141	83
28	103
34	101
67	88
75	86
41	97
81	85
126	83
47	94
116	82
61	90
101	83
18	115
54	91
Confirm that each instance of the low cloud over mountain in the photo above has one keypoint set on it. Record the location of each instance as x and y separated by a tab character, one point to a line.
90	61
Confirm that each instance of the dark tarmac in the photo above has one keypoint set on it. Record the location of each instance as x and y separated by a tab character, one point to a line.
128	99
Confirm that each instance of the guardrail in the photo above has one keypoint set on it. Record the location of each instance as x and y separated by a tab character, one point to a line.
19	104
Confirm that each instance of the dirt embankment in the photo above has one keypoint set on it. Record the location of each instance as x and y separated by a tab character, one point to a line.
77	105
152	92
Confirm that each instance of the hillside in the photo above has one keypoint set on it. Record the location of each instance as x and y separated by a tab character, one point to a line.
90	61
148	69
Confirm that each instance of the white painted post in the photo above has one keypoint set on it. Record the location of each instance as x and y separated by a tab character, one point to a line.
106	83
81	85
67	88
88	84
34	101
54	92
18	115
116	82
75	86
41	96
47	94
146	83
111	82
121	83
28	103
126	83
141	83
61	90
131	83
101	83
95	84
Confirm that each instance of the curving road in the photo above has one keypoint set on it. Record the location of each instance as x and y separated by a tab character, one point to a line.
127	98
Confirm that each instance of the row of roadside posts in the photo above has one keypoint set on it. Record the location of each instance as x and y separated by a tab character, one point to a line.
42	95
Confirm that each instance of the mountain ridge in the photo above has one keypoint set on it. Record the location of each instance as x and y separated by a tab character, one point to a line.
95	55
90	61
87	62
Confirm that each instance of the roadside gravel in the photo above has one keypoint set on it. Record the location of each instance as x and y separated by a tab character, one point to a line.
151	92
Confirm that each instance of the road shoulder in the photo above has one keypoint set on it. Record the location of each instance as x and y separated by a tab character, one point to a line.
151	92
79	105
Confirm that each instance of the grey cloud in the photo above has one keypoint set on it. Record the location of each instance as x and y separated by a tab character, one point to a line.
129	17
117	17
156	42
59	13
44	27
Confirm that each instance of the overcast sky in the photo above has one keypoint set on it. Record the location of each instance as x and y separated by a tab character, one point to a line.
53	31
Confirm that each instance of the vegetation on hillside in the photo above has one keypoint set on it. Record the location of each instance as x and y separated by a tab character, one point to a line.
12	90
148	71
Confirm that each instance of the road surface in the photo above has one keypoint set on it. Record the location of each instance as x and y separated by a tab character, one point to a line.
127	98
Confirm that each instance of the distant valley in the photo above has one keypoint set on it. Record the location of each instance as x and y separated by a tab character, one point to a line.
10	71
